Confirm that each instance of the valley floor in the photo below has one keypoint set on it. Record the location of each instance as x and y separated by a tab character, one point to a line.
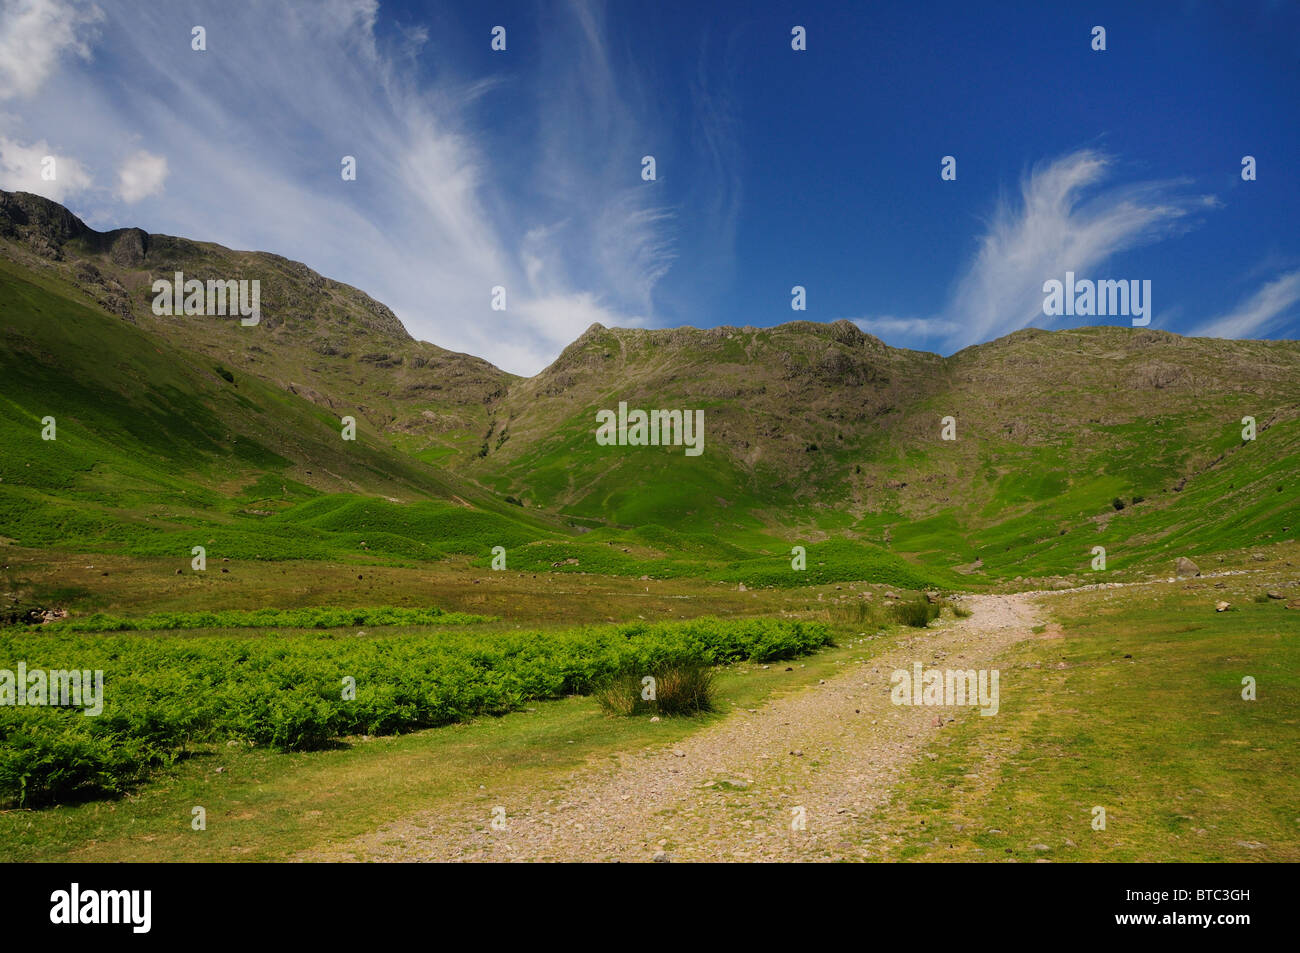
1124	697
730	792
1123	734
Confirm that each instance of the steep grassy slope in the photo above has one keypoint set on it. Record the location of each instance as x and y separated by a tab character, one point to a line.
158	450
320	339
787	411
822	431
1128	439
179	430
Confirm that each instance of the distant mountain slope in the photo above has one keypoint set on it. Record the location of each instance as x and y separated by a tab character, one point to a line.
826	428
318	338
785	408
815	434
158	448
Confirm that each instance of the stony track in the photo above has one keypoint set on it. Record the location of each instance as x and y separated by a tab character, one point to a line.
829	754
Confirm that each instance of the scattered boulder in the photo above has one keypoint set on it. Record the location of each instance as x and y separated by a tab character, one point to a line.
1222	607
1184	567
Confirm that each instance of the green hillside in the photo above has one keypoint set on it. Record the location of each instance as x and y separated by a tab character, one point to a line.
157	449
181	431
1114	437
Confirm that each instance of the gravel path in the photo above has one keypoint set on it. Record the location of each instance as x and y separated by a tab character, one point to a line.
732	791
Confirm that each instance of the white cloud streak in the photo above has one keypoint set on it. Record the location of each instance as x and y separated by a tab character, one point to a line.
1263	311
249	135
914	330
1064	221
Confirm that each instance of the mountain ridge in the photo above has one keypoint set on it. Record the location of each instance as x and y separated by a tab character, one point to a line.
814	430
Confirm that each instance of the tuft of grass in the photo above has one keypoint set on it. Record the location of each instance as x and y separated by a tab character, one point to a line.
917	613
864	614
684	690
677	690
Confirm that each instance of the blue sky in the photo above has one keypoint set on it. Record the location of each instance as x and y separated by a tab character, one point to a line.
775	168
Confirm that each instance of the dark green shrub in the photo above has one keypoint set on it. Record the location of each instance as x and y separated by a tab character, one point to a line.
163	696
917	613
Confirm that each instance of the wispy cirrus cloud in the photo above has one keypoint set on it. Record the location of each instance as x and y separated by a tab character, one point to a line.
602	219
1264	311
242	145
1066	219
916	330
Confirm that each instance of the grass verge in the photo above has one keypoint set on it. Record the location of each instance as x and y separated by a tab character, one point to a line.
1131	702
